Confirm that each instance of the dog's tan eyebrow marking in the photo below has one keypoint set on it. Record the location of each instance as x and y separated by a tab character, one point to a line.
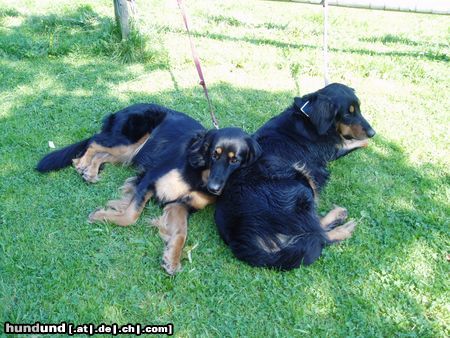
219	150
231	154
351	109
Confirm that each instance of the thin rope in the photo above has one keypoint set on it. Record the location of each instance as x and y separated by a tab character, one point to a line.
197	64
326	76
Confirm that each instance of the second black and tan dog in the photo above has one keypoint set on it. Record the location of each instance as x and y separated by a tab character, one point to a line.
267	212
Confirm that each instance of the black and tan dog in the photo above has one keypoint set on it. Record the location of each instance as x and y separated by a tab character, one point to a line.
181	163
267	212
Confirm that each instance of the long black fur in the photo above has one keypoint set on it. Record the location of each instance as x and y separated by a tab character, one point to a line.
124	127
63	157
267	212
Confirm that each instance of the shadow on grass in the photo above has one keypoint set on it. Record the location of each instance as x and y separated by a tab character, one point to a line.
430	55
387	39
81	31
231	21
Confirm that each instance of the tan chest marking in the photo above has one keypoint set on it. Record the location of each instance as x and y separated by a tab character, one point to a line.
171	186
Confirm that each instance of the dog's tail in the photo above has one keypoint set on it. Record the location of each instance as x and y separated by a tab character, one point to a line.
63	157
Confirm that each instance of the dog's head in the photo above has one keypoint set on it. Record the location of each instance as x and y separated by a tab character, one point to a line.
335	108
222	151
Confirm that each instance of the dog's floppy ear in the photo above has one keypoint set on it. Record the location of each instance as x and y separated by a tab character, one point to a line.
198	150
254	151
320	110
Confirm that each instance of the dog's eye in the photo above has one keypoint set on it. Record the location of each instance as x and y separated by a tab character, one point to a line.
351	109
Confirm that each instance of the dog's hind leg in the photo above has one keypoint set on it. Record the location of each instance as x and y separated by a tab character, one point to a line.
123	217
90	173
335	217
136	193
173	230
84	161
128	191
126	211
96	154
341	232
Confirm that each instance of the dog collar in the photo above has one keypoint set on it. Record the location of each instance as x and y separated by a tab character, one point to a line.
302	109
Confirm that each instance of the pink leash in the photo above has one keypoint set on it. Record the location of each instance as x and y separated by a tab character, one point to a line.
197	64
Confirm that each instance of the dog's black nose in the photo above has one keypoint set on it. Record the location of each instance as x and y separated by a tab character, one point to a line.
214	188
370	132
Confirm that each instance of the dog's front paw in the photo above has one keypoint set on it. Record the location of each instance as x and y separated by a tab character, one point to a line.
349	227
118	205
170	267
341	214
89	177
346	230
93	217
155	222
364	143
342	232
96	216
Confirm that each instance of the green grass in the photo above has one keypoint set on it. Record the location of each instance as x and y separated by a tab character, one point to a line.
61	71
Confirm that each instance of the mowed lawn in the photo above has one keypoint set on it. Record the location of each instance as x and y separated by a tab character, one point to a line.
62	71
